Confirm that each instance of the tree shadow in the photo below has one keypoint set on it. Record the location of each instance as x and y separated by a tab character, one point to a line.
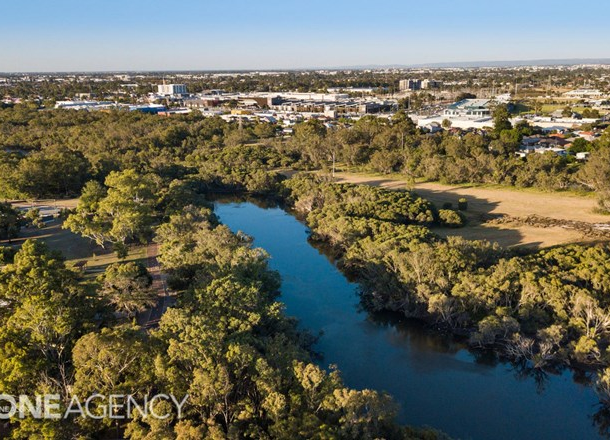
523	370
479	213
601	420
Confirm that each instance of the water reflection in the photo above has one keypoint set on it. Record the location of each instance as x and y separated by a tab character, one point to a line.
602	421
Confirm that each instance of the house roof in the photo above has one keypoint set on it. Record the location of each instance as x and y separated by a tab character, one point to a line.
467	104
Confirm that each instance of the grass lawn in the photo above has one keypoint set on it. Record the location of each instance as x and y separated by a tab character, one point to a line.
550	108
547	109
76	248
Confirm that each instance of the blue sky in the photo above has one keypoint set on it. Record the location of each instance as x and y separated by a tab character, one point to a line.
51	35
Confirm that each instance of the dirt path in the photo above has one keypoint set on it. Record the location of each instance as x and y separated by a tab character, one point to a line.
150	318
484	203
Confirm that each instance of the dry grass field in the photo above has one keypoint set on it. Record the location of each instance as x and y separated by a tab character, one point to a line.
484	202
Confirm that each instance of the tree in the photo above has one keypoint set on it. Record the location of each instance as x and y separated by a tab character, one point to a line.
6	255
579	145
9	179
450	218
384	162
118	360
596	175
33	217
129	204
501	118
590	113
465	95
44	311
506	142
238	137
602	386
592	319
265	130
121	213
309	139
54	171
127	287
10	221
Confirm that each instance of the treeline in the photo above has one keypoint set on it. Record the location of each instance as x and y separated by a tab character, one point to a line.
360	209
548	308
398	146
485	157
53	153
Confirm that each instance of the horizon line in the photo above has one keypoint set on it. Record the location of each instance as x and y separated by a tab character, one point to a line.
551	62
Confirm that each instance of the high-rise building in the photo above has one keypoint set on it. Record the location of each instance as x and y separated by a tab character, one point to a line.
431	84
410	84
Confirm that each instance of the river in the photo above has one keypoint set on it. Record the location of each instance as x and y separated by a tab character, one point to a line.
436	380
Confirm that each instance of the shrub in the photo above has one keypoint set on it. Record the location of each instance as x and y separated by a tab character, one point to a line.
451	218
33	216
462	204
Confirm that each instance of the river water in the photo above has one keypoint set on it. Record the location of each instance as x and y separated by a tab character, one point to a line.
433	377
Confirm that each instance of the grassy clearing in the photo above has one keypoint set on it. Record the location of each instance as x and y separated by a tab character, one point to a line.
550	108
395	179
76	248
547	109
486	200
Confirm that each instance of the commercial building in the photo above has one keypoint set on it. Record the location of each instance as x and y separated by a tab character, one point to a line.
469	109
418	84
465	114
85	105
171	89
410	84
584	94
431	84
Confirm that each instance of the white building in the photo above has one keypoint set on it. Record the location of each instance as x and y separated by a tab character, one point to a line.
469	109
463	123
431	84
409	84
505	98
557	150
584	94
85	105
171	89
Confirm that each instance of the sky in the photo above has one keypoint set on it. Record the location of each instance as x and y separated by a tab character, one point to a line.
110	35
